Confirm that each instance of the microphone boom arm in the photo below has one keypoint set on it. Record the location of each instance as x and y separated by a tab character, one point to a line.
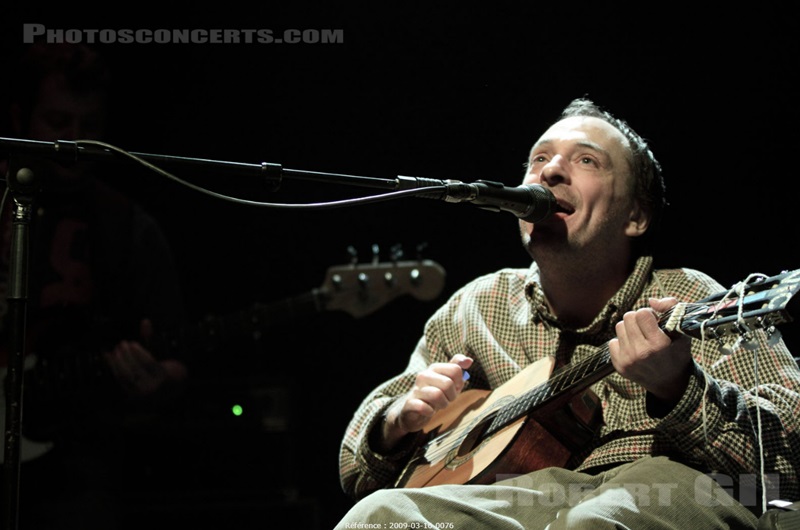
532	203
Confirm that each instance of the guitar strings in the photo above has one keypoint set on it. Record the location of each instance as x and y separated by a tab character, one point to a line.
757	385
563	377
739	290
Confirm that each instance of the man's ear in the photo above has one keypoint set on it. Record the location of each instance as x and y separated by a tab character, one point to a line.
638	222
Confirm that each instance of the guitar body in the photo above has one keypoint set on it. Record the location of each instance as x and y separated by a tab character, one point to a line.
458	452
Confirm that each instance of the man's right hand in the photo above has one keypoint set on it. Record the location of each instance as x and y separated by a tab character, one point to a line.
434	389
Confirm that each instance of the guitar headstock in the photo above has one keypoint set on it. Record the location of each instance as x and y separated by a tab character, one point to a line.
361	289
757	304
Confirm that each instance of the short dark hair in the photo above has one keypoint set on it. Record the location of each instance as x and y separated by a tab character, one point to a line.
648	179
83	68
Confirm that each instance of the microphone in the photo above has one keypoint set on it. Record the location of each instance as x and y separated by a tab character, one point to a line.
531	202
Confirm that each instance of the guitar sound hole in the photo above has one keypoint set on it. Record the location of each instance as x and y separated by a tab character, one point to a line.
474	437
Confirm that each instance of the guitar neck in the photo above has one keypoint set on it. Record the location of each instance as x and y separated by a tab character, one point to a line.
357	290
566	382
714	315
210	333
562	385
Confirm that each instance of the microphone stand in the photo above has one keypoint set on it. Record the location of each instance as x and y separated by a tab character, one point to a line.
272	174
23	185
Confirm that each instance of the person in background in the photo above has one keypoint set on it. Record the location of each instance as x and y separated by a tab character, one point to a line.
102	283
674	414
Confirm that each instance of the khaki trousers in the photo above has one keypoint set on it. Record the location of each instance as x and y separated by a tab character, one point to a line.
651	493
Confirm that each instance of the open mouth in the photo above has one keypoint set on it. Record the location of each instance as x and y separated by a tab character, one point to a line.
564	207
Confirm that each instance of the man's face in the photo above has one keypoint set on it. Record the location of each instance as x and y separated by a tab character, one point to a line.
61	113
583	161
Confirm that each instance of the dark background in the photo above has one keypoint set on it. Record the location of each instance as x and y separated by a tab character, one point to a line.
456	93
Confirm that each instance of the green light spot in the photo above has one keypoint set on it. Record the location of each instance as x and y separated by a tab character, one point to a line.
237	410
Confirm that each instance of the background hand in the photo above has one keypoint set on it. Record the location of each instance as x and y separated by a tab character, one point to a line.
137	371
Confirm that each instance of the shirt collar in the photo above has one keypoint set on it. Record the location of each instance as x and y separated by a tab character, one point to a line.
622	301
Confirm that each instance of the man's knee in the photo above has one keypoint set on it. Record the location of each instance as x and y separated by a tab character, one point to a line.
376	506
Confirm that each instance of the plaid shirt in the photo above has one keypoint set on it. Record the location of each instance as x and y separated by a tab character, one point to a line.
501	320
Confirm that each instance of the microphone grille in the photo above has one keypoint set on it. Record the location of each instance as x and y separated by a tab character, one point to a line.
544	204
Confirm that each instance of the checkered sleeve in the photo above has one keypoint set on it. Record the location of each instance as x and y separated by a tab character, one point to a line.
361	469
740	404
738	408
739	415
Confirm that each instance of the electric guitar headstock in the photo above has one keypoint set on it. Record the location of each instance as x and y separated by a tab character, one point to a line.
757	302
362	288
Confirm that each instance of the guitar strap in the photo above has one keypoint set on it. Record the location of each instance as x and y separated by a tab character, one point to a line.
565	348
576	421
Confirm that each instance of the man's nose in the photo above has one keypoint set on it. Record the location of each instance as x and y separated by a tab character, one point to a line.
554	171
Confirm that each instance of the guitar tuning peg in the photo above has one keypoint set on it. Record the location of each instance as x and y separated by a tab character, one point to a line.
376	251
388	279
749	345
363	281
773	336
397	252
422	246
744	341
353	253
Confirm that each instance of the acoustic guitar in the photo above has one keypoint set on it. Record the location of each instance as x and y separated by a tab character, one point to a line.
525	424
